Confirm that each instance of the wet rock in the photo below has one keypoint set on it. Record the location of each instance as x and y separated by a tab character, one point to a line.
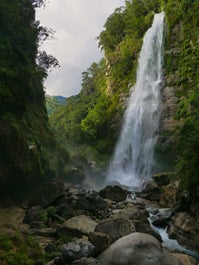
162	179
75	250
151	191
144	227
161	217
168	195
184	227
115	227
86	261
47	193
131	211
139	249
150	186
114	193
94	204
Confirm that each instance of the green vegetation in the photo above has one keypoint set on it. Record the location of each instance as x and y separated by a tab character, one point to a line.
183	33
93	117
16	249
53	103
26	141
89	124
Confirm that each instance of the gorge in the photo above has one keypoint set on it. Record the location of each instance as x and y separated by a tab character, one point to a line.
44	218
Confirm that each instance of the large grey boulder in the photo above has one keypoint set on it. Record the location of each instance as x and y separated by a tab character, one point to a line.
137	249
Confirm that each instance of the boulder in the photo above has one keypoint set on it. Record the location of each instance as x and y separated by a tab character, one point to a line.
150	187
35	214
75	250
115	227
47	193
131	211
114	193
161	217
184	227
93	204
137	249
144	227
168	195
162	179
82	222
185	259
101	241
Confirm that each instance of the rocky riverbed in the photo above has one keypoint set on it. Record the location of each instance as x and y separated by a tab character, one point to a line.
108	227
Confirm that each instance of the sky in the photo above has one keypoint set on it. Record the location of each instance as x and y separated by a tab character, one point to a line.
76	23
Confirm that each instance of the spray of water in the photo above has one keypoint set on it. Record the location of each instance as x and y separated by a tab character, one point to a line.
133	158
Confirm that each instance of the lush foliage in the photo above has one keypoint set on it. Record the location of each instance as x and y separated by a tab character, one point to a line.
16	249
183	32
25	138
53	103
93	117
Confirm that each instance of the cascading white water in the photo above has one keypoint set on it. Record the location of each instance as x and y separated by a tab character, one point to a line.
133	157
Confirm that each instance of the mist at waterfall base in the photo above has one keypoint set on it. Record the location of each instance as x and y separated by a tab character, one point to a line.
133	160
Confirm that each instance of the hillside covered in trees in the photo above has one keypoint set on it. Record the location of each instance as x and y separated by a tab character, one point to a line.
89	125
28	150
60	223
93	118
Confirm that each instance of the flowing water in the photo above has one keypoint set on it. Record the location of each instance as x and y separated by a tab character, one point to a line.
133	157
171	244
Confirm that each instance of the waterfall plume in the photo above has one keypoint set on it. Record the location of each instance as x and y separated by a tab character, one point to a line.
133	158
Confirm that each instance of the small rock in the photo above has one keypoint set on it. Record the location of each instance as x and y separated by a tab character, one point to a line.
86	261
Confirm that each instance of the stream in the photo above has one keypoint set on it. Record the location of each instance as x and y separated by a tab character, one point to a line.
171	244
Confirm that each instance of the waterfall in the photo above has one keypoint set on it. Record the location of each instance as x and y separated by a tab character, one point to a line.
133	161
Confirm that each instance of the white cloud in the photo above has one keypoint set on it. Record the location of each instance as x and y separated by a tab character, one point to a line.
77	23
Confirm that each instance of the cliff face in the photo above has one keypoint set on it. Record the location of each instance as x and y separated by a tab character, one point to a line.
179	130
26	142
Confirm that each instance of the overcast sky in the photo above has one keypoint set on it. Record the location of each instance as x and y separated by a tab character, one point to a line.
77	23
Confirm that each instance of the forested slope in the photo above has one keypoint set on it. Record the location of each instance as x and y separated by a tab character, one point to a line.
26	142
93	117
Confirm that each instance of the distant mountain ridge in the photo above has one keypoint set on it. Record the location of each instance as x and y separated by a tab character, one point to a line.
53	103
